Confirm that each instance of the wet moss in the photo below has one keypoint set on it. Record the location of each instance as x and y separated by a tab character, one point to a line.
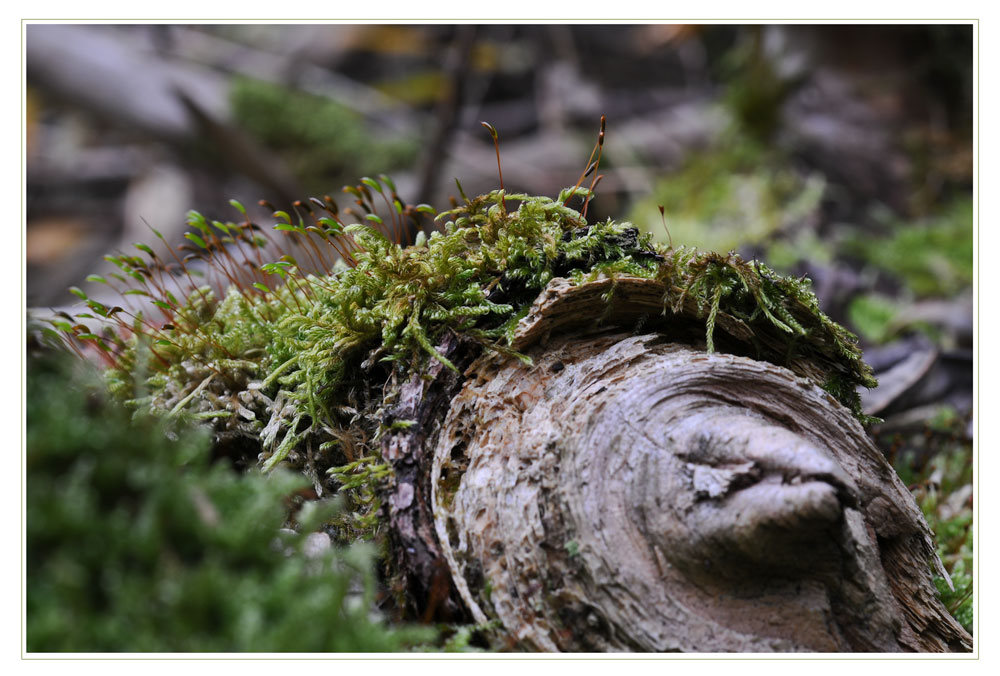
302	367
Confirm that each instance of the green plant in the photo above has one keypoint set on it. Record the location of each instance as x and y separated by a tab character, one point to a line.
298	368
296	359
758	81
931	257
136	542
873	316
321	142
287	344
735	193
942	487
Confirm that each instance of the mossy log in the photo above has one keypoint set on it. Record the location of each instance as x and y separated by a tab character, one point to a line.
634	492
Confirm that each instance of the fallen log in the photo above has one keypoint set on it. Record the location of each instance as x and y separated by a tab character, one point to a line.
632	492
588	441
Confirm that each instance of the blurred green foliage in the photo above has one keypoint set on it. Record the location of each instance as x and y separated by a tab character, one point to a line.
928	258
737	193
138	543
943	490
741	191
873	316
421	88
324	144
755	86
931	257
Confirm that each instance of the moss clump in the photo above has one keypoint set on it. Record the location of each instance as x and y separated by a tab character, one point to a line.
781	314
298	372
137	543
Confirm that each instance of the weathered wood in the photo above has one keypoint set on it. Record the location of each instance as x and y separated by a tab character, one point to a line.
422	402
629	492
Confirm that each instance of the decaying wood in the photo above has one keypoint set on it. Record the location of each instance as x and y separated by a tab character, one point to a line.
421	404
630	493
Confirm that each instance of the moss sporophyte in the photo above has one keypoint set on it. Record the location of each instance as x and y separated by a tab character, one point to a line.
293	357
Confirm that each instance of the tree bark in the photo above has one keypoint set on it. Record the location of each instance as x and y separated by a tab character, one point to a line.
625	492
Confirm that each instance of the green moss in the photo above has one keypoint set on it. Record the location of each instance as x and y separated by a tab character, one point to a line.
873	316
931	257
740	191
323	143
943	490
299	371
139	543
756	87
735	194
